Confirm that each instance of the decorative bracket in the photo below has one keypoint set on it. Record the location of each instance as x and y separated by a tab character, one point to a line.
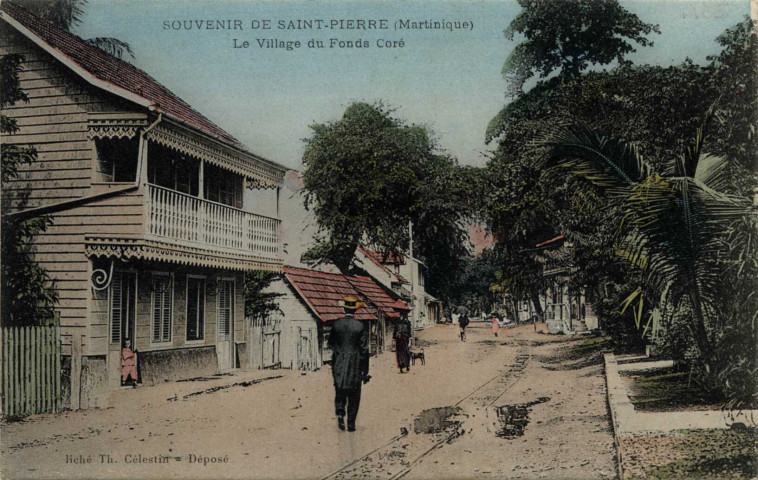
102	279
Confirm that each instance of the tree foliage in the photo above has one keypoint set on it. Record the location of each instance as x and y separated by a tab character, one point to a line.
259	303
569	36
673	220
27	296
367	175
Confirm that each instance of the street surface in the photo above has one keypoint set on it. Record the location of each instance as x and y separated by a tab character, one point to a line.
552	422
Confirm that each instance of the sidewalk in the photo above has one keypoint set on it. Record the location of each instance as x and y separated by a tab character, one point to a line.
681	444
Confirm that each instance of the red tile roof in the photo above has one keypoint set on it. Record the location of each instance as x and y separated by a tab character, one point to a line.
117	72
552	240
377	296
322	291
386	258
374	257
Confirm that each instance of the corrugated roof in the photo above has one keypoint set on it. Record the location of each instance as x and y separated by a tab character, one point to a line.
322	291
377	296
119	73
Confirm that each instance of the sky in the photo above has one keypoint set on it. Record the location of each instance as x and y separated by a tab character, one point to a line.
447	80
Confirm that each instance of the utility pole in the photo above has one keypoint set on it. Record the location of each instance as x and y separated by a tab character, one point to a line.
413	267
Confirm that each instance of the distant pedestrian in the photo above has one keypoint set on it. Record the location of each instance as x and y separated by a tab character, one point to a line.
348	341
463	323
402	345
495	324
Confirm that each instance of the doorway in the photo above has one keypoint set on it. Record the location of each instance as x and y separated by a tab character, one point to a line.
225	316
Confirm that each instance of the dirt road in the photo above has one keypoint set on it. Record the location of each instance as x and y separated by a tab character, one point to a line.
517	406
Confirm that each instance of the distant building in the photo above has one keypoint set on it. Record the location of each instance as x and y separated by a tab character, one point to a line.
566	310
297	335
405	276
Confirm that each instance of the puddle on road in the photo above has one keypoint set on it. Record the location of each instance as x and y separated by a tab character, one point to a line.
514	418
435	420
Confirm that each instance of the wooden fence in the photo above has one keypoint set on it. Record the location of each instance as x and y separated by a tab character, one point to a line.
31	370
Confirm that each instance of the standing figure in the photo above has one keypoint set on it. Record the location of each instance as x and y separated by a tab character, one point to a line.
349	344
128	364
463	323
495	324
402	348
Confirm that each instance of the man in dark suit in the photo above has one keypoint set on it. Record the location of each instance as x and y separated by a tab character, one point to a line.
349	344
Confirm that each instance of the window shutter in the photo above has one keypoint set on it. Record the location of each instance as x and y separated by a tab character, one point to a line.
116	307
167	309
157	307
192	312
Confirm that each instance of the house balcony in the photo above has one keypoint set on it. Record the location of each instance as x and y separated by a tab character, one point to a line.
186	220
161	224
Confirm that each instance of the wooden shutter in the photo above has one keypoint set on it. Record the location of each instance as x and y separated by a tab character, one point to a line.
224	303
167	297
117	312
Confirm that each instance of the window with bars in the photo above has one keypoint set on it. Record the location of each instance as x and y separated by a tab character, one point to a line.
225	308
162	299
195	308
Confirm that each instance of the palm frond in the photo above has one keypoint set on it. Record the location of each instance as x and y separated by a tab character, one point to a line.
688	163
606	162
712	172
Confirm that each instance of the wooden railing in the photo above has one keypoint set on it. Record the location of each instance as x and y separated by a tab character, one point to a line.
31	370
190	220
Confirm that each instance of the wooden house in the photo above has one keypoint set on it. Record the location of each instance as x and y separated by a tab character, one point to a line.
153	209
308	301
567	310
387	309
404	275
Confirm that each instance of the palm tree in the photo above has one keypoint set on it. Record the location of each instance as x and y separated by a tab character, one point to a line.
673	222
66	14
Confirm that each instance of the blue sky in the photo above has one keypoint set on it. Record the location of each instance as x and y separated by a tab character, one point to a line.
447	80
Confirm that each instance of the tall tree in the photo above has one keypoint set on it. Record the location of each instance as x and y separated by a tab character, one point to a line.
569	36
368	174
674	219
360	181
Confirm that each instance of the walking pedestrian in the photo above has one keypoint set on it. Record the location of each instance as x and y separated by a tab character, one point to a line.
349	344
402	347
495	323
463	323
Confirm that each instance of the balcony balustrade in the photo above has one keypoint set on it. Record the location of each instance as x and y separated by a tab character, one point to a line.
186	220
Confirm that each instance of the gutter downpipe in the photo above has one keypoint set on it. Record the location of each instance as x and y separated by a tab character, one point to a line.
60	206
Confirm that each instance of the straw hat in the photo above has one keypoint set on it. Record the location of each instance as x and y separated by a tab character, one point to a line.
351	303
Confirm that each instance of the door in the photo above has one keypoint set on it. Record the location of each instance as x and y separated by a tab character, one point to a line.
307	349
225	319
272	343
123	303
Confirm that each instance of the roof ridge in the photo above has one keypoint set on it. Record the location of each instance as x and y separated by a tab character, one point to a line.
82	50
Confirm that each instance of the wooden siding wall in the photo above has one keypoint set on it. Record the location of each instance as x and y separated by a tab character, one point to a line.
54	121
294	314
143	341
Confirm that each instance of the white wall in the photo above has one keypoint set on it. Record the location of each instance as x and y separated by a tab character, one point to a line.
293	314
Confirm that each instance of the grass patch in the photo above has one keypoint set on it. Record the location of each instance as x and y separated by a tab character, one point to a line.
667	390
696	454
